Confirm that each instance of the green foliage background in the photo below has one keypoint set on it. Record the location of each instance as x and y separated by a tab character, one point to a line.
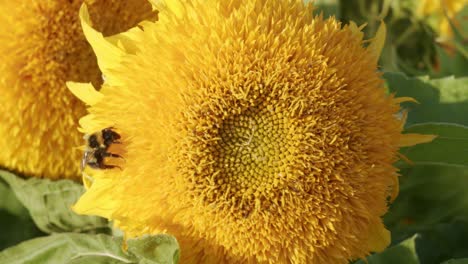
428	220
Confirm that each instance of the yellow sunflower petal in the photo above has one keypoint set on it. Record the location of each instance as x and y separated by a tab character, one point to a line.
414	139
89	124
97	191
85	92
379	238
126	41
154	4
357	30
107	52
176	7
400	100
394	187
377	44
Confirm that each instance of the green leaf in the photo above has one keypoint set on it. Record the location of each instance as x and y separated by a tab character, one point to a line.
433	203
404	253
442	242
440	100
9	202
456	261
451	64
73	248
159	249
450	148
49	204
429	195
16	229
15	220
68	248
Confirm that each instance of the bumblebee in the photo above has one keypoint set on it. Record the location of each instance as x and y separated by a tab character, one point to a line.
97	149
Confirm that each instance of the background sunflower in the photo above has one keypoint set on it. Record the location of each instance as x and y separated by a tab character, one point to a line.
42	47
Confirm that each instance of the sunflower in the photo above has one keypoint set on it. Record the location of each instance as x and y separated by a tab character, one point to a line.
41	47
251	130
439	13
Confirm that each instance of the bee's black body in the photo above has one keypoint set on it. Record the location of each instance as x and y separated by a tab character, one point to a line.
97	149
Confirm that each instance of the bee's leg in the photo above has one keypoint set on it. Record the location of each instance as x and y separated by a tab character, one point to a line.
105	166
113	155
94	165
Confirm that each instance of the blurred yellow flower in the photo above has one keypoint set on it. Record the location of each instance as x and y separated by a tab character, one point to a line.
251	130
41	47
441	11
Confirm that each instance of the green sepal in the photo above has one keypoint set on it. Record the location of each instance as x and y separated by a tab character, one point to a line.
404	252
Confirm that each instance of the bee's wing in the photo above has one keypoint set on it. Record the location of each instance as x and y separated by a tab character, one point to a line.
85	159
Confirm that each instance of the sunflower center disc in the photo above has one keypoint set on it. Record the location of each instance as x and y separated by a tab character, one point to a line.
252	155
